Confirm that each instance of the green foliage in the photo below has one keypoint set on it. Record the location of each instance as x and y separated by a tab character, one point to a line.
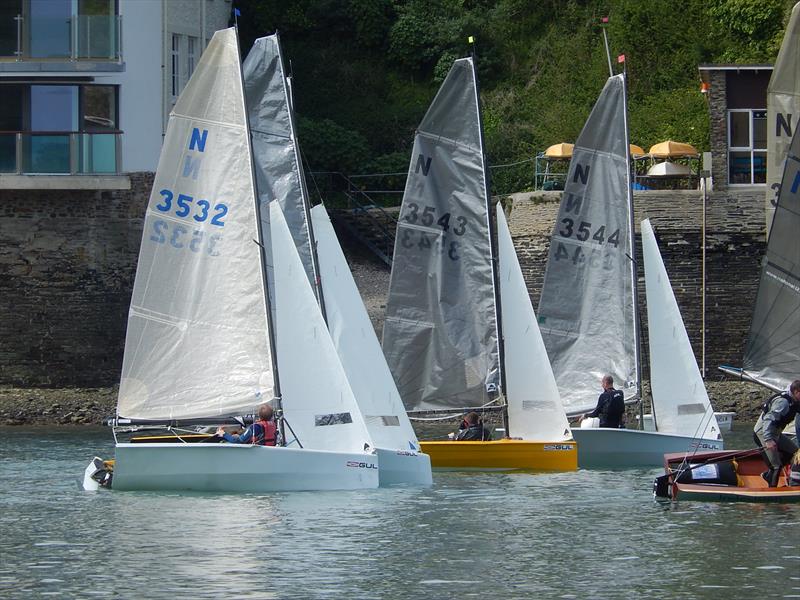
365	71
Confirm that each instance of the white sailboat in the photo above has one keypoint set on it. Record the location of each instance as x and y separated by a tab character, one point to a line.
588	306
279	171
201	346
450	310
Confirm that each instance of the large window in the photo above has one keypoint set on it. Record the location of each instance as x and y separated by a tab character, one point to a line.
52	128
747	146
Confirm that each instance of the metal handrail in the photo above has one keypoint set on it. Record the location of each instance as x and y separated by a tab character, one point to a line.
80	157
73	54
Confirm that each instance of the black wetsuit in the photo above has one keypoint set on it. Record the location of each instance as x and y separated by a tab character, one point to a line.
610	408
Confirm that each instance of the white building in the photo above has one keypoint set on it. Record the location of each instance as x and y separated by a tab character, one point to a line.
86	86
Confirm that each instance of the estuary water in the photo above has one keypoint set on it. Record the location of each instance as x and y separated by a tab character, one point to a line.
589	534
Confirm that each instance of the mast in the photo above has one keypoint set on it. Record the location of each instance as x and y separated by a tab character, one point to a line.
302	181
492	240
632	256
260	241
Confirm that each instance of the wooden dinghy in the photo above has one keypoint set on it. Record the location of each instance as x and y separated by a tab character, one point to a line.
721	477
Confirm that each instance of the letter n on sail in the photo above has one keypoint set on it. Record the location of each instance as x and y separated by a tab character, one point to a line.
582	173
423	163
783	125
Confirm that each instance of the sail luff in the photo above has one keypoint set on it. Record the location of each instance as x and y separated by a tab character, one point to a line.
271	344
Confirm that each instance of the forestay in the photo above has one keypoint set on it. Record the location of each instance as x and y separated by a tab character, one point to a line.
535	411
783	109
772	353
276	154
197	343
440	333
587	308
680	399
359	351
318	402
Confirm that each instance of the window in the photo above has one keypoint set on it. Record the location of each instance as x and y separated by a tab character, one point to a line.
747	146
176	66
191	56
65	128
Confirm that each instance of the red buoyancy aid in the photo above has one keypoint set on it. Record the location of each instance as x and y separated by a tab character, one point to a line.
270	433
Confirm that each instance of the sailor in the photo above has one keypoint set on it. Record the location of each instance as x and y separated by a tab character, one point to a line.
263	432
472	429
777	413
610	405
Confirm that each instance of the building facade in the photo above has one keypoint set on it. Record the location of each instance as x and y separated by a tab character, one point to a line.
86	86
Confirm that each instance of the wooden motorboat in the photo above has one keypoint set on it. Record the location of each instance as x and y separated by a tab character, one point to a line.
733	476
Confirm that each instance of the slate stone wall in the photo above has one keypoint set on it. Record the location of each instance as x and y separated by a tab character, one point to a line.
734	247
67	262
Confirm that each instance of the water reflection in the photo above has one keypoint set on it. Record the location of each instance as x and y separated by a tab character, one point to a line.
586	534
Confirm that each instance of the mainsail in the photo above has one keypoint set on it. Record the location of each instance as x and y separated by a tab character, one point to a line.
772	353
197	339
535	411
680	399
783	109
587	310
276	154
440	335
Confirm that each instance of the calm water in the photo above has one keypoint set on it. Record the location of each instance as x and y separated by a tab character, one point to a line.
588	534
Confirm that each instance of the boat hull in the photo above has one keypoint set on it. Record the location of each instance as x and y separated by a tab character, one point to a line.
240	468
601	447
403	467
502	455
749	485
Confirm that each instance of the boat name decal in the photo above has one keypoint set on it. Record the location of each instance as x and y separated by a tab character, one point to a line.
557	447
361	465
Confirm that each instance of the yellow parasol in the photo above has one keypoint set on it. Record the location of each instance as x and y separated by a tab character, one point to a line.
670	149
562	150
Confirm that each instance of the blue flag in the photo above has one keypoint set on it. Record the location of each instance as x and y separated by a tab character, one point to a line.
237	12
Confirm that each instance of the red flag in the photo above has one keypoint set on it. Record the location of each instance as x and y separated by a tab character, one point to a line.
621	58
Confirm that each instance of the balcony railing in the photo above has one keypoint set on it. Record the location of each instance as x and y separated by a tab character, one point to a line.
60	152
83	37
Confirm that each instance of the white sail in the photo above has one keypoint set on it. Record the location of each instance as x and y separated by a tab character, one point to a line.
680	399
783	109
318	402
535	411
197	342
357	344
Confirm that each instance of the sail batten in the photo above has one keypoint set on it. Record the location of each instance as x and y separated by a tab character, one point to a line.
587	309
440	334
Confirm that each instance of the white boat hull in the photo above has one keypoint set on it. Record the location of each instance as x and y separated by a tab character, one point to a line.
240	468
403	467
615	448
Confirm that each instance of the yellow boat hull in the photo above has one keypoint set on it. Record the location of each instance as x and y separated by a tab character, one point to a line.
503	455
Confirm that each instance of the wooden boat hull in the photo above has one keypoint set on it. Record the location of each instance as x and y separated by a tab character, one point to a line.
502	455
749	486
240	468
603	448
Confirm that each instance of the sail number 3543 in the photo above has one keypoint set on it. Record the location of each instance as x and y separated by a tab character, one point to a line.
426	216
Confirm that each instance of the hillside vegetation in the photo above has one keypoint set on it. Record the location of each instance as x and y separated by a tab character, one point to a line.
364	71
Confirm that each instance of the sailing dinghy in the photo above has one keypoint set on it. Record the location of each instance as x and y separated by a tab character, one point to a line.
279	172
202	346
450	309
588	305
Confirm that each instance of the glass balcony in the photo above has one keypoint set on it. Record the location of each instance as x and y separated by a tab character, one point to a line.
73	38
60	153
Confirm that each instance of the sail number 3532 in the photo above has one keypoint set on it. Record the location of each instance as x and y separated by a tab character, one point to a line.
183	207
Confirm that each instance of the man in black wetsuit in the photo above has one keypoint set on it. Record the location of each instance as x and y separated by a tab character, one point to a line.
610	405
472	429
777	413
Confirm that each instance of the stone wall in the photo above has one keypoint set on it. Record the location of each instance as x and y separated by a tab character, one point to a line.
67	262
734	247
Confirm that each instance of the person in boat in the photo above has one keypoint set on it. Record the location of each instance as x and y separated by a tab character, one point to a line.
472	429
794	470
610	405
776	413
263	432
